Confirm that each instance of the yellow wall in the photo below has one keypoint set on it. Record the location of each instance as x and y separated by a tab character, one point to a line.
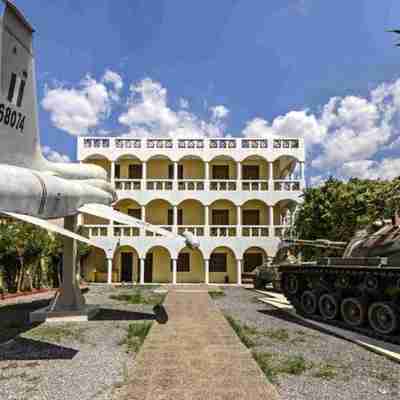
157	212
157	169
257	205
224	205
193	212
93	220
105	164
124	167
196	274
124	205
232	167
161	265
95	261
219	277
193	169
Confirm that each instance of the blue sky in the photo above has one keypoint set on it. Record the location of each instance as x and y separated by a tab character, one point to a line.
279	67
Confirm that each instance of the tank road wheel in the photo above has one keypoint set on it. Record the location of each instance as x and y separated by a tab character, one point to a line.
292	284
309	302
329	306
383	318
354	311
372	282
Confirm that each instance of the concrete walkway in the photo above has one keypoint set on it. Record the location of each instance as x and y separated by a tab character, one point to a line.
195	355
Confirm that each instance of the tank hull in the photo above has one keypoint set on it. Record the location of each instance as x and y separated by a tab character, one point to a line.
365	299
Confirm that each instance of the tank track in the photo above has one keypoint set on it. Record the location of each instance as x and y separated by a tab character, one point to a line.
322	279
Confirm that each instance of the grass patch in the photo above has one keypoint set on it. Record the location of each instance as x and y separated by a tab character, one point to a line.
264	361
215	294
138	297
243	331
326	371
279	335
136	334
58	333
295	365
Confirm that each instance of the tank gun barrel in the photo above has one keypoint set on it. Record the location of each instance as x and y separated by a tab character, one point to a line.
320	243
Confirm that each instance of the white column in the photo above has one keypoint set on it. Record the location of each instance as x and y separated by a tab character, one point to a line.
239	171
206	221
239	220
239	271
174	264
112	177
207	170
141	267
144	175
143	231
271	171
175	219
207	271
109	270
271	221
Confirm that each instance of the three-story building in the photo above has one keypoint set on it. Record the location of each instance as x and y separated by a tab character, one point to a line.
237	195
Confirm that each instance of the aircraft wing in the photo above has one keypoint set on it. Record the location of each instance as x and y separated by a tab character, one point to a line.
102	211
51	227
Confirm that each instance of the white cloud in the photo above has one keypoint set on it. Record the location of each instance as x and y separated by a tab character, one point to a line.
76	111
219	112
388	168
114	78
148	114
55	156
183	103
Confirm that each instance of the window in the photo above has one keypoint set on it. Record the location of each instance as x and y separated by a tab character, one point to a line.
218	262
171	216
117	171
135	171
183	263
251	172
171	171
135	213
251	217
220	172
251	261
220	217
180	171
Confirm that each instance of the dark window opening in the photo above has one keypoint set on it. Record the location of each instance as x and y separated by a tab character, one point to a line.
180	171
251	217
117	171
251	261
220	172
135	171
220	217
135	213
251	172
171	171
218	262
171	216
183	263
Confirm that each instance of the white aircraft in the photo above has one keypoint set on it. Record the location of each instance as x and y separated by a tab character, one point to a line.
33	189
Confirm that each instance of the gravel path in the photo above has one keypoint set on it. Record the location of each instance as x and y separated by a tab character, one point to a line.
334	369
68	360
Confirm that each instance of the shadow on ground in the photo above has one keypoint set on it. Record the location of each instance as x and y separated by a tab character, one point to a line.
110	314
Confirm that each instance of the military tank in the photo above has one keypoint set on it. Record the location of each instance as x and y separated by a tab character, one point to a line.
359	290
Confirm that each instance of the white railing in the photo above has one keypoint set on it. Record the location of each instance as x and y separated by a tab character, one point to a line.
126	231
254	185
166	227
223	230
128	184
190	143
191	184
255	231
197	230
287	186
159	184
97	230
223	185
281	231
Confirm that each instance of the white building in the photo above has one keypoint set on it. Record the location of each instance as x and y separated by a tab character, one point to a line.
236	195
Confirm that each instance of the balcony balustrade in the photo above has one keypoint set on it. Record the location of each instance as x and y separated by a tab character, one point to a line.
254	185
159	184
256	231
223	185
287	186
128	184
191	184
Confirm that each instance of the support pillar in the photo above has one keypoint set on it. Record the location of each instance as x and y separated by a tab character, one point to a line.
141	267
207	175
109	270
174	268
239	176
68	303
239	272
239	221
143	218
271	221
175	219
206	221
144	176
271	175
207	271
112	177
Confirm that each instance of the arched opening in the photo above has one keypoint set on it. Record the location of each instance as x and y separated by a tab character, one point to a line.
160	173
99	160
284	215
254	173
253	257
223	218
223	173
158	265
223	266
191	173
128	172
191	217
126	265
94	266
190	266
160	212
286	168
255	218
131	208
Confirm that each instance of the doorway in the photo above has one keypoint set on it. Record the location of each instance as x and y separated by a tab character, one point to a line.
251	261
148	268
126	267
